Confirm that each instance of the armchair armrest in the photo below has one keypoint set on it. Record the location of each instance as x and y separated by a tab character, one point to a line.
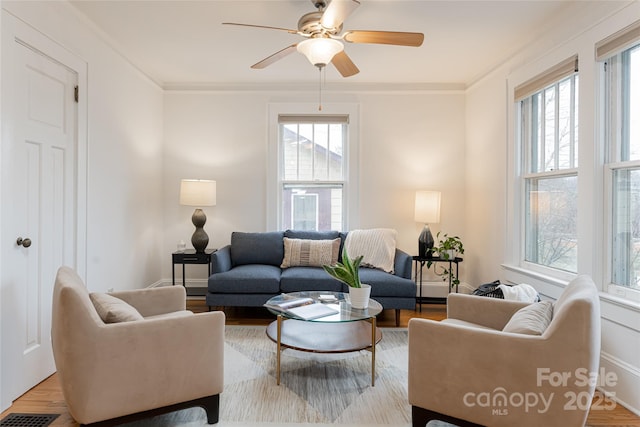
490	312
154	301
402	264
144	365
221	260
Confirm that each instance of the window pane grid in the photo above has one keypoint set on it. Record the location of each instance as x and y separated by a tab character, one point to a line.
550	141
312	174
623	124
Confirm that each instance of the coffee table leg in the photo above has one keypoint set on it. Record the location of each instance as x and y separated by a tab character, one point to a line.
279	341
373	352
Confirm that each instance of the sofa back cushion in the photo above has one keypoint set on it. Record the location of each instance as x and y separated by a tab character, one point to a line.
257	248
311	235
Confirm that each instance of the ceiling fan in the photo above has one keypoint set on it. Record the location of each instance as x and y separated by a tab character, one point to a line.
323	37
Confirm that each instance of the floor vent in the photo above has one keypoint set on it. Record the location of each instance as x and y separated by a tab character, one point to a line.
28	420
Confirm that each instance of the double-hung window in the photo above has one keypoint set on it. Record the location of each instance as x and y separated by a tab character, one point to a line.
312	171
548	134
621	57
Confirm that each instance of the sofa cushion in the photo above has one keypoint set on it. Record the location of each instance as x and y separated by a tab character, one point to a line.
257	248
308	279
310	253
246	279
114	310
377	247
388	285
531	320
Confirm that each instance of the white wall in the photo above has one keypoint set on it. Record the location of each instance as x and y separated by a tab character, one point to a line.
408	141
124	214
490	129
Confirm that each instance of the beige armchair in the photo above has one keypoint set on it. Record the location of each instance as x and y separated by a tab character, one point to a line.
116	372
466	370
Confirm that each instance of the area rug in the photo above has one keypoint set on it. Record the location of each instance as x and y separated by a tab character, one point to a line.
315	389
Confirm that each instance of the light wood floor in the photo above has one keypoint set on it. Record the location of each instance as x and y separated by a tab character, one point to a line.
46	397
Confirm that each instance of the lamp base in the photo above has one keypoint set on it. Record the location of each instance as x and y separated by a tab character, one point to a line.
425	243
199	239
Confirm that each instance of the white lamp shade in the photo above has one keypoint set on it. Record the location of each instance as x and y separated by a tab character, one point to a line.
320	51
427	209
197	192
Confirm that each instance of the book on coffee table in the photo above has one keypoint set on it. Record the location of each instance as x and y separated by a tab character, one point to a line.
312	311
304	308
290	303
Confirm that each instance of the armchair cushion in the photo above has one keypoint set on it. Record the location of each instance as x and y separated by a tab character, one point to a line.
531	320
114	310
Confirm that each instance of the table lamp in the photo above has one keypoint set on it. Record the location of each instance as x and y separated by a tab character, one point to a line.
198	193
427	211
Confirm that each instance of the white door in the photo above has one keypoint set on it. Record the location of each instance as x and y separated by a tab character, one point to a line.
38	206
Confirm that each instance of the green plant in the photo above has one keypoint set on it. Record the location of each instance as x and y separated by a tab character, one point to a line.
446	244
449	243
346	271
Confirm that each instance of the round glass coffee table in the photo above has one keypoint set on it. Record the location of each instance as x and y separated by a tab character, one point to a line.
347	329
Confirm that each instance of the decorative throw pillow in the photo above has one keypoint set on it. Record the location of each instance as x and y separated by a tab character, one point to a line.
114	310
310	253
377	247
531	320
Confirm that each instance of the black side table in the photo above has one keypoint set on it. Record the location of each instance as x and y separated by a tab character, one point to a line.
419	263
190	256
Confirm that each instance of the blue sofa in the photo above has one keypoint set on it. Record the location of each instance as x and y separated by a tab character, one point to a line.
247	273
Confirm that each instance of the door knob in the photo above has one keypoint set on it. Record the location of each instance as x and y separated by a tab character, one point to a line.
24	242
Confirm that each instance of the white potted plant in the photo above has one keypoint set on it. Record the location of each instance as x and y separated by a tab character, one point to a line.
347	272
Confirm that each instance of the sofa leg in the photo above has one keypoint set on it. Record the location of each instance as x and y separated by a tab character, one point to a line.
420	417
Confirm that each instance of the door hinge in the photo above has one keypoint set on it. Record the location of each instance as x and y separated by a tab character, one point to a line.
75	93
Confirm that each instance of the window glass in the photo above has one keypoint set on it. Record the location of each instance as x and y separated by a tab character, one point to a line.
551	227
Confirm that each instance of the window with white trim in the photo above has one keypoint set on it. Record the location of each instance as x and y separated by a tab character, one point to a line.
312	171
548	124
622	168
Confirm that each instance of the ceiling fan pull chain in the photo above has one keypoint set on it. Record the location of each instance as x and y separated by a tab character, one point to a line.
320	89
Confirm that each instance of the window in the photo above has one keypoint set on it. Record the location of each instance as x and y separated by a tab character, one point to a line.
548	123
622	124
312	171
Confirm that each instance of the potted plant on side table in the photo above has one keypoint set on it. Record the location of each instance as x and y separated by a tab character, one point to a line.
347	272
449	247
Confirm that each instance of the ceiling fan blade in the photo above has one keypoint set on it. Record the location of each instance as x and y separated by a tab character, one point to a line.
275	57
262	26
337	12
384	37
344	64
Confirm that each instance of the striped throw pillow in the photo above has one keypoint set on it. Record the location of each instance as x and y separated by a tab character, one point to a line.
310	253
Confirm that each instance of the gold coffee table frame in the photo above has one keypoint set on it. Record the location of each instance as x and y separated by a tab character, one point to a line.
346	331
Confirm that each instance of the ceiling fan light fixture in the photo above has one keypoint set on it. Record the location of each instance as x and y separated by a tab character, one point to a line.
320	51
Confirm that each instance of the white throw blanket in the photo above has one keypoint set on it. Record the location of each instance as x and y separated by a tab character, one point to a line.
376	245
521	292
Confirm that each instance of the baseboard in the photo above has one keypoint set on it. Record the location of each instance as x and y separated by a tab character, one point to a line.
626	385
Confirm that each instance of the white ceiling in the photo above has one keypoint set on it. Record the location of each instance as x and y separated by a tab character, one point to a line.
180	42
